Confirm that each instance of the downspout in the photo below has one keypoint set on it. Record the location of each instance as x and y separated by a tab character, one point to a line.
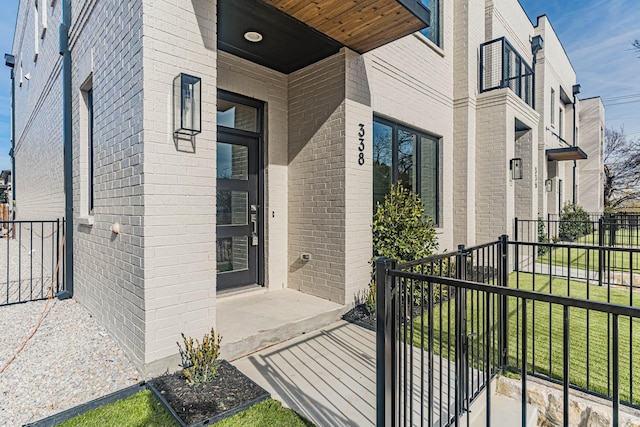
68	149
10	61
576	91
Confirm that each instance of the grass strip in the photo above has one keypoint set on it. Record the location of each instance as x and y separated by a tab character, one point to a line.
140	410
590	344
268	413
143	410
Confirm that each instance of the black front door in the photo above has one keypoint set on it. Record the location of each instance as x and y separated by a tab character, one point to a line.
238	212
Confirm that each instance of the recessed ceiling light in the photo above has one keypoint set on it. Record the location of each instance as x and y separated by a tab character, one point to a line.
253	36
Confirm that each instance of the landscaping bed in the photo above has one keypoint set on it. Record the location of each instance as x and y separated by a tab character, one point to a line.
228	393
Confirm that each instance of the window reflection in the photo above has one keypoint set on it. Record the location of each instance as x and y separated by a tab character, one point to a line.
408	157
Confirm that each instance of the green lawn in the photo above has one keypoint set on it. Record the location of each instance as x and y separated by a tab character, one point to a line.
140	410
143	410
624	236
545	335
269	413
588	259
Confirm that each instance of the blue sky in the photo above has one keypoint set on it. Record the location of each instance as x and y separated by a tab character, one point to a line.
596	34
9	10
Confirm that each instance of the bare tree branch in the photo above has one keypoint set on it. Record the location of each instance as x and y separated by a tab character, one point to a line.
621	169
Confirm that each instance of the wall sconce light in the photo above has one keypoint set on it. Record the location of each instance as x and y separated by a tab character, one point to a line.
548	185
516	168
187	103
536	44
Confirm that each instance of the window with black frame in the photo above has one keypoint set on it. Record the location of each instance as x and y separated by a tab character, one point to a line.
407	156
432	32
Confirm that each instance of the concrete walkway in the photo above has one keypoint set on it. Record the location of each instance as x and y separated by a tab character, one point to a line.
329	376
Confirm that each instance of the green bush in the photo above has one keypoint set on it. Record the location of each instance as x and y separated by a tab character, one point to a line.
200	359
542	237
574	222
402	232
400	229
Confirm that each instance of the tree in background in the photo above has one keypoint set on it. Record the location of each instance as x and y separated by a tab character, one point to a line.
636	45
621	169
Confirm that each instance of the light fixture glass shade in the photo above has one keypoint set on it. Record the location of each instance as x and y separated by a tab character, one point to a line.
187	103
548	185
516	168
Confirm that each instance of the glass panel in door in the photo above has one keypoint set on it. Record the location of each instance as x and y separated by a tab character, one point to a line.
237	210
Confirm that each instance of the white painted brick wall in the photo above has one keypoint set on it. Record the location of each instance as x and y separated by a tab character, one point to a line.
497	194
591	182
317	211
411	82
179	181
246	78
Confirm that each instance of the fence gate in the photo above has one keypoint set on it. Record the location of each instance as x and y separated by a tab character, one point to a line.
31	260
434	356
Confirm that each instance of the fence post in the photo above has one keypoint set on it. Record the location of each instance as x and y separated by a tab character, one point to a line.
601	225
385	344
515	229
503	311
461	333
57	270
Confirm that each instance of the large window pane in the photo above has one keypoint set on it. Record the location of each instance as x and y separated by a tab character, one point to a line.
406	150
382	161
432	32
429	176
405	156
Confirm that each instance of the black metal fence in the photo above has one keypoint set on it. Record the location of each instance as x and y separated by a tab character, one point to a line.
430	366
502	66
619	230
449	323
31	260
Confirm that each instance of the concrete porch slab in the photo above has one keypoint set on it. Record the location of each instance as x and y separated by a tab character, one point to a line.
252	321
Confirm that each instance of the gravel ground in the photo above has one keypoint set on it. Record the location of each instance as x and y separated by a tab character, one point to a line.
71	360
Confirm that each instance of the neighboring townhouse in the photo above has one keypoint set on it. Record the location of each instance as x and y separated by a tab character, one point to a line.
5	186
590	171
239	145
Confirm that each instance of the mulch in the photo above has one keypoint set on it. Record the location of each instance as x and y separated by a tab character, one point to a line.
229	390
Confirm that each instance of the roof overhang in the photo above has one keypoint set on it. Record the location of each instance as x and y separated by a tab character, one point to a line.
361	25
295	34
566	153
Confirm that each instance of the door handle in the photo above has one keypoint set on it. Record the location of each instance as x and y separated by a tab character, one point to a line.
254	225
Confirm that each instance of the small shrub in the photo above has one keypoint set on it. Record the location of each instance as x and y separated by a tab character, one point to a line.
370	298
574	222
542	237
200	359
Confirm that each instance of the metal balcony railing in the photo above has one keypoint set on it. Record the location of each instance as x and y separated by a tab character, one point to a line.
501	66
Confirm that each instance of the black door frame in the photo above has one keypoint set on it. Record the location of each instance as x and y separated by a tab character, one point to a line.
261	148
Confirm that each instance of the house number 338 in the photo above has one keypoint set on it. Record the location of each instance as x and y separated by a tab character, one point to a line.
361	144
